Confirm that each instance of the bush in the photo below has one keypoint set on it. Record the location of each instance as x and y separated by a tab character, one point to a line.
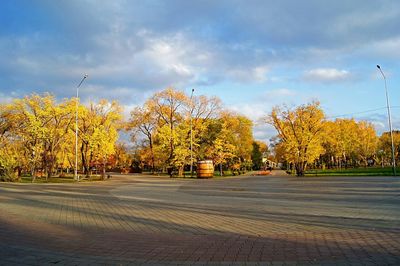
7	176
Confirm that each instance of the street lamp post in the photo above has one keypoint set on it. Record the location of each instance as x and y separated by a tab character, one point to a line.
390	120
76	127
191	134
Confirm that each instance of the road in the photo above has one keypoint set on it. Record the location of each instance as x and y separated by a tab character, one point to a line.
252	220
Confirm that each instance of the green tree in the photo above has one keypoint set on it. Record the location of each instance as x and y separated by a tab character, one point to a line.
256	156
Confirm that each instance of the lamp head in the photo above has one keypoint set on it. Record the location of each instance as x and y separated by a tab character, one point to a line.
86	75
378	66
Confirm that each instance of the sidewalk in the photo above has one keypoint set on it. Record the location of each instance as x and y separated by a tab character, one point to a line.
131	220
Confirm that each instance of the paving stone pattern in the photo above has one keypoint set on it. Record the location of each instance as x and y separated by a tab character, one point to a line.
253	220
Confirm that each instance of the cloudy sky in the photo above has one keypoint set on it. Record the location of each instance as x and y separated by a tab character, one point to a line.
252	54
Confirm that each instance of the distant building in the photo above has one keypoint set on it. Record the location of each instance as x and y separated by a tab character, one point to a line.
269	163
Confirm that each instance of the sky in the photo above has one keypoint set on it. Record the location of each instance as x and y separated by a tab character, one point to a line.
253	54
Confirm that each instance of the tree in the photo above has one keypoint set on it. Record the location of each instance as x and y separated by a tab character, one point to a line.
165	121
38	133
60	118
233	140
279	153
204	112
122	158
385	146
7	161
34	129
301	133
222	151
347	142
10	147
259	151
339	142
168	105
98	133
144	120
367	141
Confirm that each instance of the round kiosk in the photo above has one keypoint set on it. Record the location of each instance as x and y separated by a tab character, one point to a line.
205	169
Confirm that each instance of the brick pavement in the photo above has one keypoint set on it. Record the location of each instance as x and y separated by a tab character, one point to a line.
237	221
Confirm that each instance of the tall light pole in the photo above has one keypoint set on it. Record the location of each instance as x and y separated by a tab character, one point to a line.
191	134
390	120
76	127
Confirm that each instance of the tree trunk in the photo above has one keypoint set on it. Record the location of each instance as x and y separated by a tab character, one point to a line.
153	167
33	174
300	168
171	143
48	176
103	172
50	167
180	171
85	162
45	164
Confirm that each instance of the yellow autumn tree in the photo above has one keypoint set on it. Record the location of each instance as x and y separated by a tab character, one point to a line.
37	135
143	120
385	147
367	143
300	131
340	141
40	130
233	142
98	133
10	147
349	143
169	106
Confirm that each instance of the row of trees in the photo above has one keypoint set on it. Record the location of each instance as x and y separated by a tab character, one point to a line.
37	132
306	138
168	122
37	135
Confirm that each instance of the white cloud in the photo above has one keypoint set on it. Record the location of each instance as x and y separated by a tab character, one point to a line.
92	92
134	49
386	48
257	112
279	96
246	75
260	73
326	75
253	111
264	132
283	92
127	108
170	54
379	126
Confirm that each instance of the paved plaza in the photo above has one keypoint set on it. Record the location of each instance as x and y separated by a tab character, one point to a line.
250	220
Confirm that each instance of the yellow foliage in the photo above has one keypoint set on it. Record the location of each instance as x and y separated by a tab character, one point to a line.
301	132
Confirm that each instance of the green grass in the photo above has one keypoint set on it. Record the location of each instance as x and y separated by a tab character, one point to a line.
361	171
